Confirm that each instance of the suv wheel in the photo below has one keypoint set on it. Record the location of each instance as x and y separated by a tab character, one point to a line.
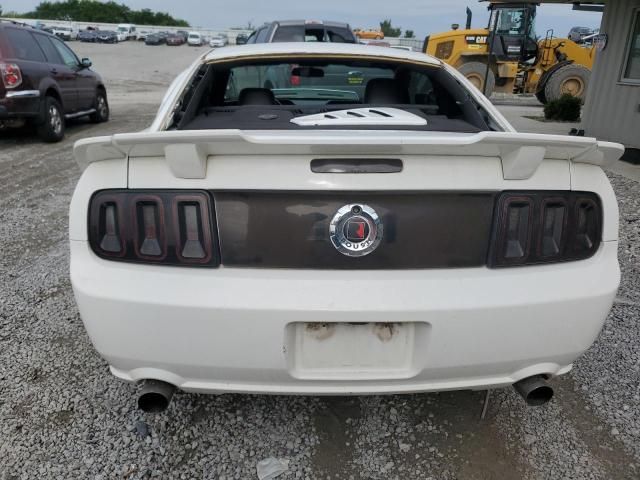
102	108
52	129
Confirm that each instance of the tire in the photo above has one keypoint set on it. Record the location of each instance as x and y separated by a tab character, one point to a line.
53	126
102	108
571	79
542	98
475	72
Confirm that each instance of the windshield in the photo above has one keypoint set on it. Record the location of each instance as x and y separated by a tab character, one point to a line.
513	21
310	84
123	29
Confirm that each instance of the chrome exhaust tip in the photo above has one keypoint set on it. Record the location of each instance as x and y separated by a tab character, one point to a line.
534	390
155	396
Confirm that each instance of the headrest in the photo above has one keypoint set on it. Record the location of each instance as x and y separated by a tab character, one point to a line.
385	91
256	96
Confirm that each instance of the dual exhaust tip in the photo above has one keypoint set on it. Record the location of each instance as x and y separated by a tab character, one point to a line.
155	395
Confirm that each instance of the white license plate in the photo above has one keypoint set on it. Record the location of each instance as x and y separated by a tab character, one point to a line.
345	351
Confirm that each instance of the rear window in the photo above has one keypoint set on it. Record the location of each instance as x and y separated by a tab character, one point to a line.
312	33
24	46
247	94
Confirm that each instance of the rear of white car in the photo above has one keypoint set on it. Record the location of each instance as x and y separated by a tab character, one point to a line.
340	260
195	39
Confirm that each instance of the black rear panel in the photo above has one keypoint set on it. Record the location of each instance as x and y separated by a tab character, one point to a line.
291	230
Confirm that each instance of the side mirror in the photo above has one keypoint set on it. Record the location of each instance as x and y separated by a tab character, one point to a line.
85	63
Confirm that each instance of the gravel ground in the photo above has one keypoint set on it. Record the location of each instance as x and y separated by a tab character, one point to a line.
62	415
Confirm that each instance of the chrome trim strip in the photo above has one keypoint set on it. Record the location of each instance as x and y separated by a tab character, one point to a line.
80	114
23	94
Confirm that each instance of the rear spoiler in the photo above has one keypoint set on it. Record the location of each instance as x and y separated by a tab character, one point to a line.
186	151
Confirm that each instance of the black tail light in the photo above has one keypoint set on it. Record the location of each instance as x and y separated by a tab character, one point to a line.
544	227
161	227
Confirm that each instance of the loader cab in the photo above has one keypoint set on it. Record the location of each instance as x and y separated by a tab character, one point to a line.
512	31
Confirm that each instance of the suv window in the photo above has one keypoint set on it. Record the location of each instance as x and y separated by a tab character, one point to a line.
340	35
68	57
47	47
24	45
261	37
289	33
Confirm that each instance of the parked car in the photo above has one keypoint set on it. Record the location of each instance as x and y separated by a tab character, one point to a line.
303	31
126	31
386	231
43	83
66	33
371	34
155	39
577	34
175	39
241	39
90	36
219	40
106	36
141	35
195	39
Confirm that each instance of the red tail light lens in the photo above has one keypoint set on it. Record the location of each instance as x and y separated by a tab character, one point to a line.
545	227
294	79
161	227
11	75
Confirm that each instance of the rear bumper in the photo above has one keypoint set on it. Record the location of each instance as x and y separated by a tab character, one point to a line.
228	330
20	104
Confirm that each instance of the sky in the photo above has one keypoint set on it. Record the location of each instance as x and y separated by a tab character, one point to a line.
421	16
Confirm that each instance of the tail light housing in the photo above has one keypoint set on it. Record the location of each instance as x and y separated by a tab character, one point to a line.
294	80
158	227
11	75
540	227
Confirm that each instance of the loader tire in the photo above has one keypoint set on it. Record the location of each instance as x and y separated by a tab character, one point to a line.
475	72
571	79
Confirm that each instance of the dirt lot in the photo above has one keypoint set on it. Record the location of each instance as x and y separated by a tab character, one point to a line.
62	415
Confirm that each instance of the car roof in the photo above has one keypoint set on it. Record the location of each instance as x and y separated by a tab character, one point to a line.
327	23
317	48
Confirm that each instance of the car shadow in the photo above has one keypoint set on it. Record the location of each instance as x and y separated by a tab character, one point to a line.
27	135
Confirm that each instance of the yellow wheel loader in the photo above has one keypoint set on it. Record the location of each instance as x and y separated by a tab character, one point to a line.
507	57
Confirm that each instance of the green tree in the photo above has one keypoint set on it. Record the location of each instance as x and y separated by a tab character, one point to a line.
102	12
389	30
409	34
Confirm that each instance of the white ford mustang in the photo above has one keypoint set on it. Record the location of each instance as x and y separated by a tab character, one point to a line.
339	219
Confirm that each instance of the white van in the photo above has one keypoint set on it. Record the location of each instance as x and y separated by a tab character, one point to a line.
195	39
126	31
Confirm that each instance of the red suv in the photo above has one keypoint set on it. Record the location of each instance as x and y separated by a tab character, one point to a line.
43	83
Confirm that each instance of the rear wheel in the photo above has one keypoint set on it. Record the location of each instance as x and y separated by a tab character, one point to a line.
52	128
570	79
102	108
476	72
